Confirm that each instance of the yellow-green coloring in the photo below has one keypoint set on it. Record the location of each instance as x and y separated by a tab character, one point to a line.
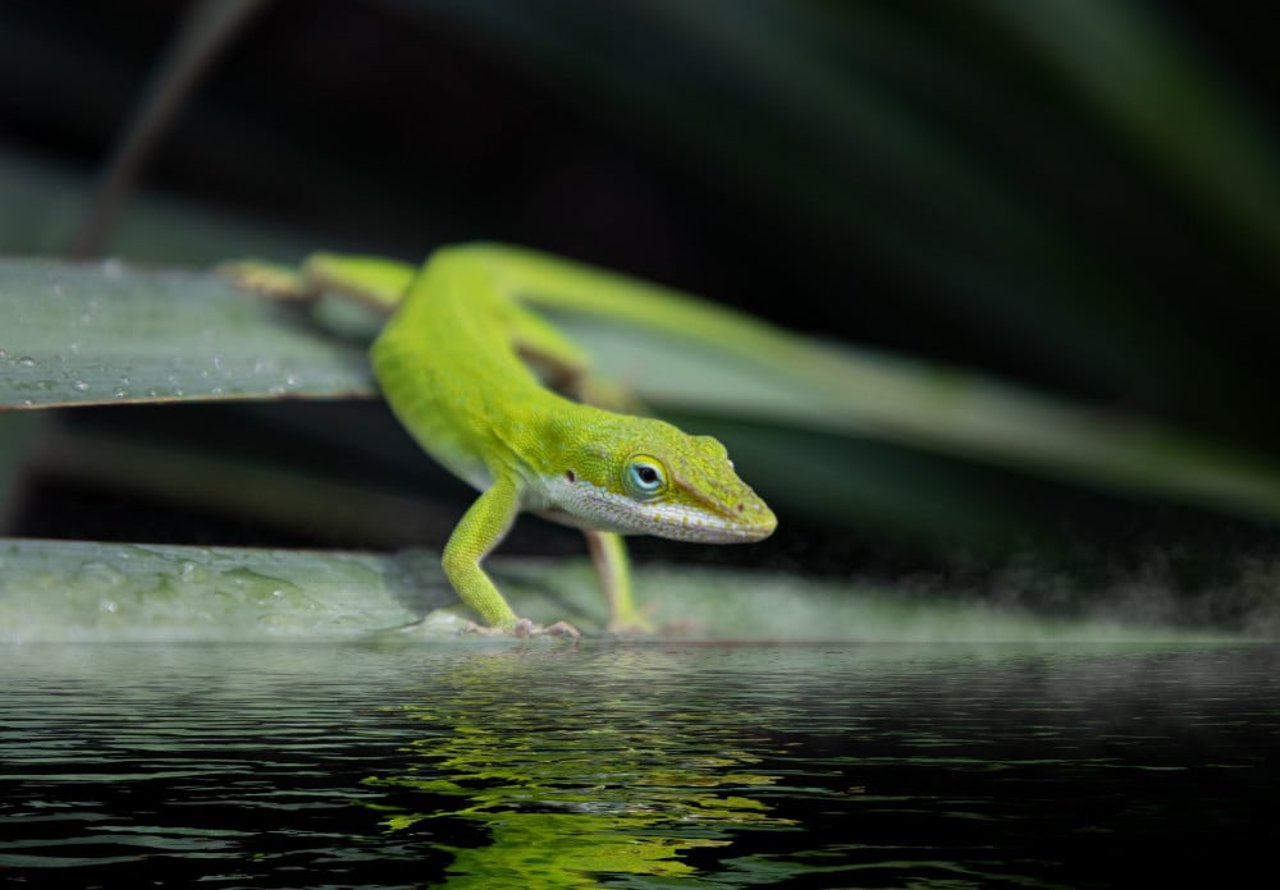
456	362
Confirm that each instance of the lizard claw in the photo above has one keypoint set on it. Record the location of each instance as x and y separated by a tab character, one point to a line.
526	628
561	629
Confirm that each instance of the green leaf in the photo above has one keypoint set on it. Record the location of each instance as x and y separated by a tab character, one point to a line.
110	333
64	591
75	590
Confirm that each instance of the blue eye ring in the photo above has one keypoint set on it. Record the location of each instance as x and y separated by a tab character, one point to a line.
645	477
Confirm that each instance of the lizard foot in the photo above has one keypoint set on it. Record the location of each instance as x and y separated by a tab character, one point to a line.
642	623
634	626
526	628
266	279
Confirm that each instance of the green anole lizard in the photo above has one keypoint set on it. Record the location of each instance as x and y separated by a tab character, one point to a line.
453	363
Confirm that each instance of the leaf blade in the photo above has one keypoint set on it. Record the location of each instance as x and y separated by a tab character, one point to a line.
77	591
111	334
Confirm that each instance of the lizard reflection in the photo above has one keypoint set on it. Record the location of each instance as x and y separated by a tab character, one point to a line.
570	784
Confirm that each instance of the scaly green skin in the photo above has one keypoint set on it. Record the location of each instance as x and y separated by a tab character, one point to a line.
452	364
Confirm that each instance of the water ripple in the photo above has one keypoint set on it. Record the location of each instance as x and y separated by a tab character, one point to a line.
635	766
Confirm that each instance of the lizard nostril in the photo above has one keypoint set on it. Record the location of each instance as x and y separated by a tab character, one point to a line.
741	507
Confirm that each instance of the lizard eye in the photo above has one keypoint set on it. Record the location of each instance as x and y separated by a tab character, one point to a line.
644	477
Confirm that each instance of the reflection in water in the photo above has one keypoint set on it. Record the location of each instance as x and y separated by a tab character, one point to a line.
605	777
637	766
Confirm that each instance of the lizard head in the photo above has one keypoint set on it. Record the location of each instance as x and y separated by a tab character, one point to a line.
638	475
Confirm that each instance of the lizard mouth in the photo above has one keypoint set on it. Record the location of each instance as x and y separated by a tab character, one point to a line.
726	535
697	526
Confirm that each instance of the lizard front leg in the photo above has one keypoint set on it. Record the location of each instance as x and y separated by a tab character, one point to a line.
483	526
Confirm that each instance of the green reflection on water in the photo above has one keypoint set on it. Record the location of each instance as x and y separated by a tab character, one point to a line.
569	790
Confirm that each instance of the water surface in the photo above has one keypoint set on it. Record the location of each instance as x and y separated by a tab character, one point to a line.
665	765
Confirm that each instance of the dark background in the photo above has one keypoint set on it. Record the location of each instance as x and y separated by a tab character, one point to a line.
1080	197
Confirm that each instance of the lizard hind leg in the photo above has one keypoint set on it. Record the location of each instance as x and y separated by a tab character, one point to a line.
566	366
374	281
